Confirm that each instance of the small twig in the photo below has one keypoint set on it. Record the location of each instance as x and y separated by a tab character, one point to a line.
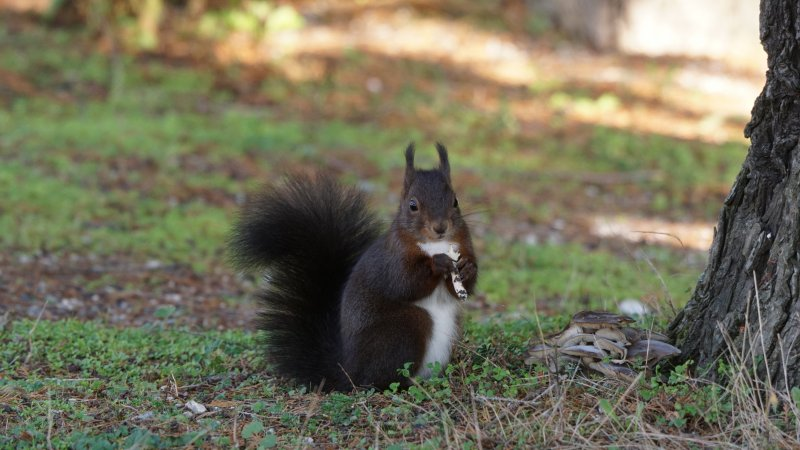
191	386
209	413
174	385
485	399
661	233
663	284
377	433
761	334
235	439
49	420
33	329
475	423
71	379
455	276
348	376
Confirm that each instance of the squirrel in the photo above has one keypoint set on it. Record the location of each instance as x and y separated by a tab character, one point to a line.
344	304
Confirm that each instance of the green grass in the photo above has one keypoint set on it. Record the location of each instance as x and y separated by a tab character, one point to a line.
567	277
72	384
150	185
155	169
88	373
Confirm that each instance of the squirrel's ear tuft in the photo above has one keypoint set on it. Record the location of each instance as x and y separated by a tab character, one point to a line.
444	162
410	156
409	167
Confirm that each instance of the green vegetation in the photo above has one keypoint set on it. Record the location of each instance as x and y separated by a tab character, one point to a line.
597	280
82	385
150	176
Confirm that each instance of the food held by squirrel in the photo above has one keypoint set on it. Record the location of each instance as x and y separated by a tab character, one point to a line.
346	304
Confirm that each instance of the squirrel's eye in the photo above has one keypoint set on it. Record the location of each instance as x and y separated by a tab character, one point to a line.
412	205
455	202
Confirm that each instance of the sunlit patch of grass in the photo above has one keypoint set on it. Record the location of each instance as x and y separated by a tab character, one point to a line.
101	179
681	163
568	278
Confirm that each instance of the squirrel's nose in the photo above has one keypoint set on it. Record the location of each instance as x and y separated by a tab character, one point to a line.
440	228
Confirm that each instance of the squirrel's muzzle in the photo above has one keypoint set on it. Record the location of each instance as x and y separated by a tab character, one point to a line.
440	228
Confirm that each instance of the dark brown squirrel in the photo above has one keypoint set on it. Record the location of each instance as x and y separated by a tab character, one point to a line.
345	305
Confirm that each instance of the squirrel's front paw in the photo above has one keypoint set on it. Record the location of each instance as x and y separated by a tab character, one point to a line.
467	269
442	264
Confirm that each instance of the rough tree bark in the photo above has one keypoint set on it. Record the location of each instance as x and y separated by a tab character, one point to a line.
755	256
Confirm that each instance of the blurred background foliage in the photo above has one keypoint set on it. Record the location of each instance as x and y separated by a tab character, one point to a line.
131	131
139	22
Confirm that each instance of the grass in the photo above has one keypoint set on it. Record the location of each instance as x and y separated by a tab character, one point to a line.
133	176
151	159
77	384
567	276
90	376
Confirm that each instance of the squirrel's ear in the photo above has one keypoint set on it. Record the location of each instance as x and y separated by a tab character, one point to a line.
444	163
409	167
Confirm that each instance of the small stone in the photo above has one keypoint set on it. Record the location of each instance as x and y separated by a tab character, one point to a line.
374	85
144	416
196	408
69	304
631	307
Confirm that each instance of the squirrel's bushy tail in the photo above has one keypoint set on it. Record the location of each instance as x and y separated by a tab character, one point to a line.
308	232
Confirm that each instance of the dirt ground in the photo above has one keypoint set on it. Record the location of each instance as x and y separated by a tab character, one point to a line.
122	292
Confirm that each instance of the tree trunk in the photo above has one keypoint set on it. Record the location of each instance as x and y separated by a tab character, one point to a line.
746	306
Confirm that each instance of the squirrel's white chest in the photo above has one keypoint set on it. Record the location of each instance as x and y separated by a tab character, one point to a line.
443	309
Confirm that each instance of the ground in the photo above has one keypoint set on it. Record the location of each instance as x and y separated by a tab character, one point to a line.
587	179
